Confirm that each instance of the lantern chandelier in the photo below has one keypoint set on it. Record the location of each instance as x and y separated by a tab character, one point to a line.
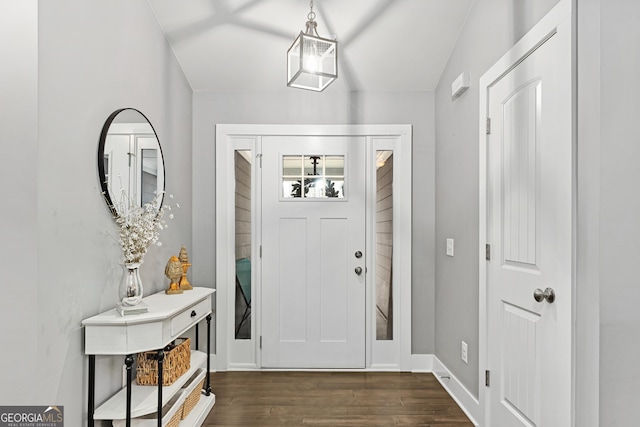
312	61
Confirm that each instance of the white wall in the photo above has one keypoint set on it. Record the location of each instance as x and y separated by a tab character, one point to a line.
18	189
492	27
293	106
619	212
90	59
587	303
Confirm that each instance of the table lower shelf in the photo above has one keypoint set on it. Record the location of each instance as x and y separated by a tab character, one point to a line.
199	413
144	399
196	417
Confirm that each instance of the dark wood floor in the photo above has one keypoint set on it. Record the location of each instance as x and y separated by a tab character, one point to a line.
331	399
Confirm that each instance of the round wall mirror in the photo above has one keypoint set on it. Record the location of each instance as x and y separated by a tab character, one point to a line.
130	161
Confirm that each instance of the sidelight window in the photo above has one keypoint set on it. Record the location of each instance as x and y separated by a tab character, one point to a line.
384	245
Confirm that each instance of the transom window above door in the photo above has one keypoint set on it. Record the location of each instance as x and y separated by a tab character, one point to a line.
313	176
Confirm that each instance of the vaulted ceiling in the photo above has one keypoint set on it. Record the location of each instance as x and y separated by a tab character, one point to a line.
241	45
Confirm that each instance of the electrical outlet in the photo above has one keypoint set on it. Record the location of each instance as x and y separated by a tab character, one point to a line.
464	352
449	247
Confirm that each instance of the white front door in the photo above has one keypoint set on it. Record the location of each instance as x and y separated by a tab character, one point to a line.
529	215
313	228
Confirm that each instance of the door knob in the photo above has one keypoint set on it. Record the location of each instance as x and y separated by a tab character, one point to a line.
358	270
358	254
548	294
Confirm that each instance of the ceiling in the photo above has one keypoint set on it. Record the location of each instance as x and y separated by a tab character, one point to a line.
241	45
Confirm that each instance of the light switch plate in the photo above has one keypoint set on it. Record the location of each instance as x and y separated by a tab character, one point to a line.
450	247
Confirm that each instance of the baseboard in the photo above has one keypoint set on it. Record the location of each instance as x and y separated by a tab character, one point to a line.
242	367
458	392
381	367
422	362
467	402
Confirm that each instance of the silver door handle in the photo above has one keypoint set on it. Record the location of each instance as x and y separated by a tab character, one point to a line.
358	270
548	294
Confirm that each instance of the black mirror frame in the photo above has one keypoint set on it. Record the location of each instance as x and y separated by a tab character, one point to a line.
101	172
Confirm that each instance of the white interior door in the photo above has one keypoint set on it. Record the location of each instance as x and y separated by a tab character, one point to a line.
313	224
149	170
529	228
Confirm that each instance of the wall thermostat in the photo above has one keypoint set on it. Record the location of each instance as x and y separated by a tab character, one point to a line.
459	85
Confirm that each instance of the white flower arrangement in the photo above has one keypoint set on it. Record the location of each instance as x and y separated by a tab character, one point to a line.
139	226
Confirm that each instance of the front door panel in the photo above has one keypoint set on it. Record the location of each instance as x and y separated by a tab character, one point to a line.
313	301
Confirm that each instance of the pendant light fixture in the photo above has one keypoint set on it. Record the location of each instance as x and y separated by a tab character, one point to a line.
312	61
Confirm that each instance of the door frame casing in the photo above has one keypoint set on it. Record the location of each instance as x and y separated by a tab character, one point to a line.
234	354
560	16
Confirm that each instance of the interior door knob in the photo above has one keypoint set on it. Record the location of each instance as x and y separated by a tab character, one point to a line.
358	254
358	270
548	294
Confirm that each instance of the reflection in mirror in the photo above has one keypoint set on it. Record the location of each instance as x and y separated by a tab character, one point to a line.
243	244
149	174
130	161
384	245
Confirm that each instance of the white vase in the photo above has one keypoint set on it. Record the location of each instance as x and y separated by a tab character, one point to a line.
130	290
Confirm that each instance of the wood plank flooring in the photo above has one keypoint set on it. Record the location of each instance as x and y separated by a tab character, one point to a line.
331	399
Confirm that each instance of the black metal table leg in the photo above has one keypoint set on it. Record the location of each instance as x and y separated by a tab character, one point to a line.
91	405
197	338
128	361
160	380
208	386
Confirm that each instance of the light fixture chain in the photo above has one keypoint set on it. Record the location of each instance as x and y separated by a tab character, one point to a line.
312	15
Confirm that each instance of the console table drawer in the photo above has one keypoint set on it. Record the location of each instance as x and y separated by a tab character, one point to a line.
190	316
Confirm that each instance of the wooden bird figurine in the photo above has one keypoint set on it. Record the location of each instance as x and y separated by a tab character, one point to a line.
173	271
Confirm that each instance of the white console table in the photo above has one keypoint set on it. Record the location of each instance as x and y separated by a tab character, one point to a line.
169	317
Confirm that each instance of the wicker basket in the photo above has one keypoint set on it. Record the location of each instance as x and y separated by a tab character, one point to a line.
171	414
193	390
177	361
175	420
